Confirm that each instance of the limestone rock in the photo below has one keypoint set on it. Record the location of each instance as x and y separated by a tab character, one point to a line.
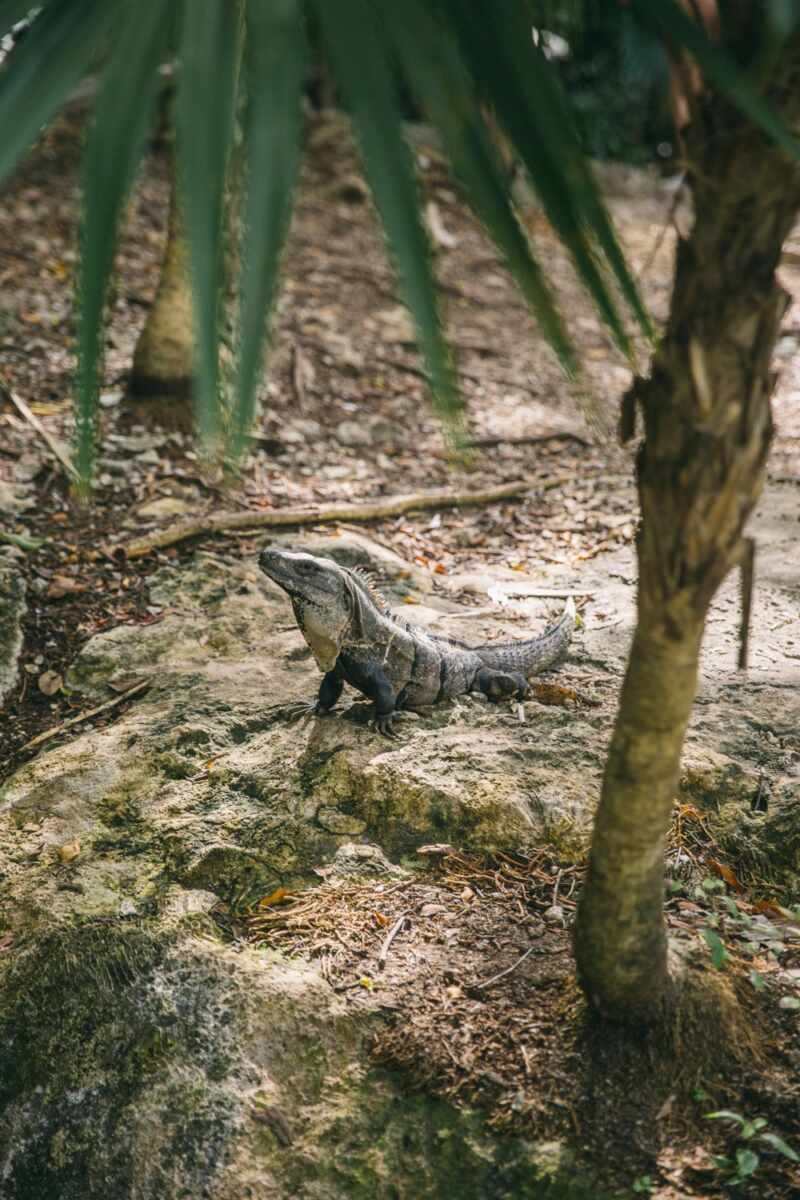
12	611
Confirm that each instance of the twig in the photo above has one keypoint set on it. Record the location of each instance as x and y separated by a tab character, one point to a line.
36	424
747	569
387	941
522	592
463	373
369	510
502	974
85	716
533	440
300	368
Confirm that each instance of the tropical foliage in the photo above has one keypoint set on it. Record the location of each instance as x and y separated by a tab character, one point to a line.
458	58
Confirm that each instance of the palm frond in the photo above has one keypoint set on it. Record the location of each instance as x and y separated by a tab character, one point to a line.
438	77
45	67
276	54
357	48
210	48
123	114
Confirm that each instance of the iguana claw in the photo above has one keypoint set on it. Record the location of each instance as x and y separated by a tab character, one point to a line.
383	725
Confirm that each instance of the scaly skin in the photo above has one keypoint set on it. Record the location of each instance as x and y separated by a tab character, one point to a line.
355	639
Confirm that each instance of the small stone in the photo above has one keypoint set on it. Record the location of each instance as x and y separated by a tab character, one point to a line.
127	908
64	585
353	858
554	915
185	902
166	506
353	433
69	851
49	683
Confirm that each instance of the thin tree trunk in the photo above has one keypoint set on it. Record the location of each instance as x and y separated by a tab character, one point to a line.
163	359
707	424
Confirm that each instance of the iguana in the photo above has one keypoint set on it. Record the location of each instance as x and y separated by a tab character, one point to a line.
356	639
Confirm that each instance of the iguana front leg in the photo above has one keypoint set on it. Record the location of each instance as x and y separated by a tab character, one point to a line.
371	680
329	691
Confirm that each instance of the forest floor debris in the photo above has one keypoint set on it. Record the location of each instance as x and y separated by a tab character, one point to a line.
481	1006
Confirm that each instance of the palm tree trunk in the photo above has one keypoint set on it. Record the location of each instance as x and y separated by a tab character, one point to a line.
163	359
707	426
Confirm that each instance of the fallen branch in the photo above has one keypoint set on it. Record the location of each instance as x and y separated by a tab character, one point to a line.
502	974
533	440
85	716
367	510
47	438
387	942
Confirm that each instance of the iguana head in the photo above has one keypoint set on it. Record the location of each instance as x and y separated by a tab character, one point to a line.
324	598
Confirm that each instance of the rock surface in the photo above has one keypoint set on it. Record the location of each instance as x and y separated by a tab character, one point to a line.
12	611
141	1055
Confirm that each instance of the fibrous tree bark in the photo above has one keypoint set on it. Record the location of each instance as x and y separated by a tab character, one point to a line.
163	359
700	468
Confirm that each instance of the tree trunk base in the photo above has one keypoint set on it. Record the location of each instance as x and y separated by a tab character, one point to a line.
166	404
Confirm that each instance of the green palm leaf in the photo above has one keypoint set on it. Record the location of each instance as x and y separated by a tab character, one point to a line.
363	70
115	143
438	77
520	84
45	67
209	52
275	60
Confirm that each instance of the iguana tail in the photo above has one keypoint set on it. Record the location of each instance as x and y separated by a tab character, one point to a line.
530	657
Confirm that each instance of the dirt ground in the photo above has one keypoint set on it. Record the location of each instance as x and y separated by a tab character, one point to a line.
345	416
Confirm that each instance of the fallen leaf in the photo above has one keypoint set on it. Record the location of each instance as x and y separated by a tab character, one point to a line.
380	919
279	896
64	585
69	851
554	693
49	683
441	236
771	908
367	983
725	873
